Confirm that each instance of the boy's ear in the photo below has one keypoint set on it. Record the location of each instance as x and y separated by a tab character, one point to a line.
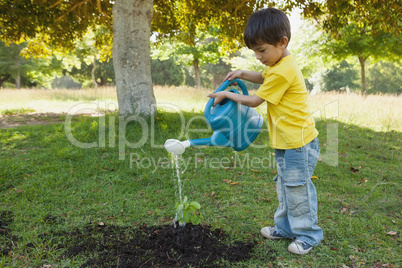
284	42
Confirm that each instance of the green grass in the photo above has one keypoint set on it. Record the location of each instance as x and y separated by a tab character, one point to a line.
16	111
50	185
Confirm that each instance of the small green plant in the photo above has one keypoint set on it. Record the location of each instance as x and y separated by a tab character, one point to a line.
187	212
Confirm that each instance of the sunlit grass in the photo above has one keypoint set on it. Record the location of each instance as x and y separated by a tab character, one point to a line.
376	112
55	101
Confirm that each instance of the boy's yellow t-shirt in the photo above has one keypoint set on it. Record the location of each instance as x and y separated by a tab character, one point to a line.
289	120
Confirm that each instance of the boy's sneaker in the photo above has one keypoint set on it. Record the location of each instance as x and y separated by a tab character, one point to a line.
300	247
271	233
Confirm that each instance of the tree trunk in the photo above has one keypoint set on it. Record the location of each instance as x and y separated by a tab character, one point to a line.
18	79
131	57
93	73
197	73
362	61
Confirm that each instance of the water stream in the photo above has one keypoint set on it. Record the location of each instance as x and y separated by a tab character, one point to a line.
179	214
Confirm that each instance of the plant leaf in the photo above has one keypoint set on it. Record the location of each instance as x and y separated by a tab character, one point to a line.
186	217
195	204
195	219
179	207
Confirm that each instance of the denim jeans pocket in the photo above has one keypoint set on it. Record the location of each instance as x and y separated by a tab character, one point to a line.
297	199
295	170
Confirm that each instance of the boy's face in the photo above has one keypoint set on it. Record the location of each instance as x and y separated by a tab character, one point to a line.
269	54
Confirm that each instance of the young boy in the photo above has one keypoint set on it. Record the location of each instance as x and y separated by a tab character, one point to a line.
292	131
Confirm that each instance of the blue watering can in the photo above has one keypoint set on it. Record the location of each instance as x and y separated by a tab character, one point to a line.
234	125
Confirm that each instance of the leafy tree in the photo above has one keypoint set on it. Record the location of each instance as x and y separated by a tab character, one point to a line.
89	62
356	41
197	51
105	73
340	77
385	77
15	68
215	73
42	71
314	50
12	65
85	73
363	29
6	60
167	72
87	52
378	16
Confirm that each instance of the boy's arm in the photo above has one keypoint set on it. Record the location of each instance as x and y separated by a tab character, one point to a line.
255	77
250	101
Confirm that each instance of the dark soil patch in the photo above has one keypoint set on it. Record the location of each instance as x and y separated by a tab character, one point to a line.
154	246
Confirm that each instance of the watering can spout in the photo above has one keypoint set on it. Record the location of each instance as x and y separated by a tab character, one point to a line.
217	139
178	147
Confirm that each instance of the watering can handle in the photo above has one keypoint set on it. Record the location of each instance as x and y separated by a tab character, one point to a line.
207	111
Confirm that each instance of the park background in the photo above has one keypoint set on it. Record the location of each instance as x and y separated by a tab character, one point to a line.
51	189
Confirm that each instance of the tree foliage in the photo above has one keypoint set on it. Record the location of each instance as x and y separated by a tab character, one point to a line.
362	28
358	41
376	16
340	77
353	40
61	22
203	30
167	72
203	49
23	72
11	63
181	19
385	77
57	23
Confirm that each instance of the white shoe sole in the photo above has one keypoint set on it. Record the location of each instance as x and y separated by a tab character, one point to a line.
266	232
297	249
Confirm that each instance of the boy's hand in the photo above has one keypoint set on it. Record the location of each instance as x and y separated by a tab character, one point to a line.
219	96
252	76
232	75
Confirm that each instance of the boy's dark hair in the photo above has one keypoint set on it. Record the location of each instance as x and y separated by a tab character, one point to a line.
266	25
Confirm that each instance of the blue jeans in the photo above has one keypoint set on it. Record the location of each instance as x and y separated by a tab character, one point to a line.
296	216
